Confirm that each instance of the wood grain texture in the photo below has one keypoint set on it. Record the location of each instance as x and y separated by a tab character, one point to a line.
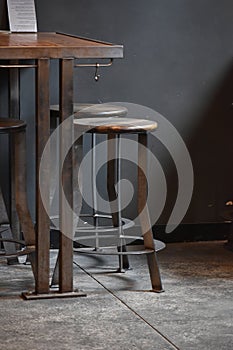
54	45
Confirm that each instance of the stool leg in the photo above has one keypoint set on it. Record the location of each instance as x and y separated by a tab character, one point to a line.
144	215
6	232
21	193
9	247
77	186
94	196
111	174
14	220
114	198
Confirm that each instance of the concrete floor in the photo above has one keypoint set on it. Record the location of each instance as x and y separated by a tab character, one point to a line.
195	311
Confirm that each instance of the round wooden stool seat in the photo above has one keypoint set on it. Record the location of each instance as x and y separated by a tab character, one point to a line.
11	125
90	110
115	125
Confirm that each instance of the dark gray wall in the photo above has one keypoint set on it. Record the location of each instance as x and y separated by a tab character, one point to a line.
178	61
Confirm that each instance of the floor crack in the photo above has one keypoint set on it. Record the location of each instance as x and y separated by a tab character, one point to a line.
128	307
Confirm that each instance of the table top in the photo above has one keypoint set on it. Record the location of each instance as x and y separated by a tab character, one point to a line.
54	45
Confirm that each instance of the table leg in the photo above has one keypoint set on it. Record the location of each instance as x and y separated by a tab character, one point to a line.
66	212
14	112
66	216
42	135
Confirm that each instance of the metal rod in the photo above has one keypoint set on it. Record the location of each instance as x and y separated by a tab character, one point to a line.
18	65
97	65
94	188
118	176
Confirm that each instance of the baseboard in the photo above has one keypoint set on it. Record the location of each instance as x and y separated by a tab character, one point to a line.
183	233
194	232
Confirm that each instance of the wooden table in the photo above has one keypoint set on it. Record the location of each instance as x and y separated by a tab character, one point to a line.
42	47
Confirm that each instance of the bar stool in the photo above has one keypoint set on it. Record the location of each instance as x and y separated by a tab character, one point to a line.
114	127
92	110
17	130
88	110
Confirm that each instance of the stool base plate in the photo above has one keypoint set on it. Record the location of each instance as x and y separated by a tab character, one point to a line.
157	290
53	295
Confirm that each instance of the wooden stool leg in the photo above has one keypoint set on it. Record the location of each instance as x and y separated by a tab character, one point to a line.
6	232
21	193
144	215
115	209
